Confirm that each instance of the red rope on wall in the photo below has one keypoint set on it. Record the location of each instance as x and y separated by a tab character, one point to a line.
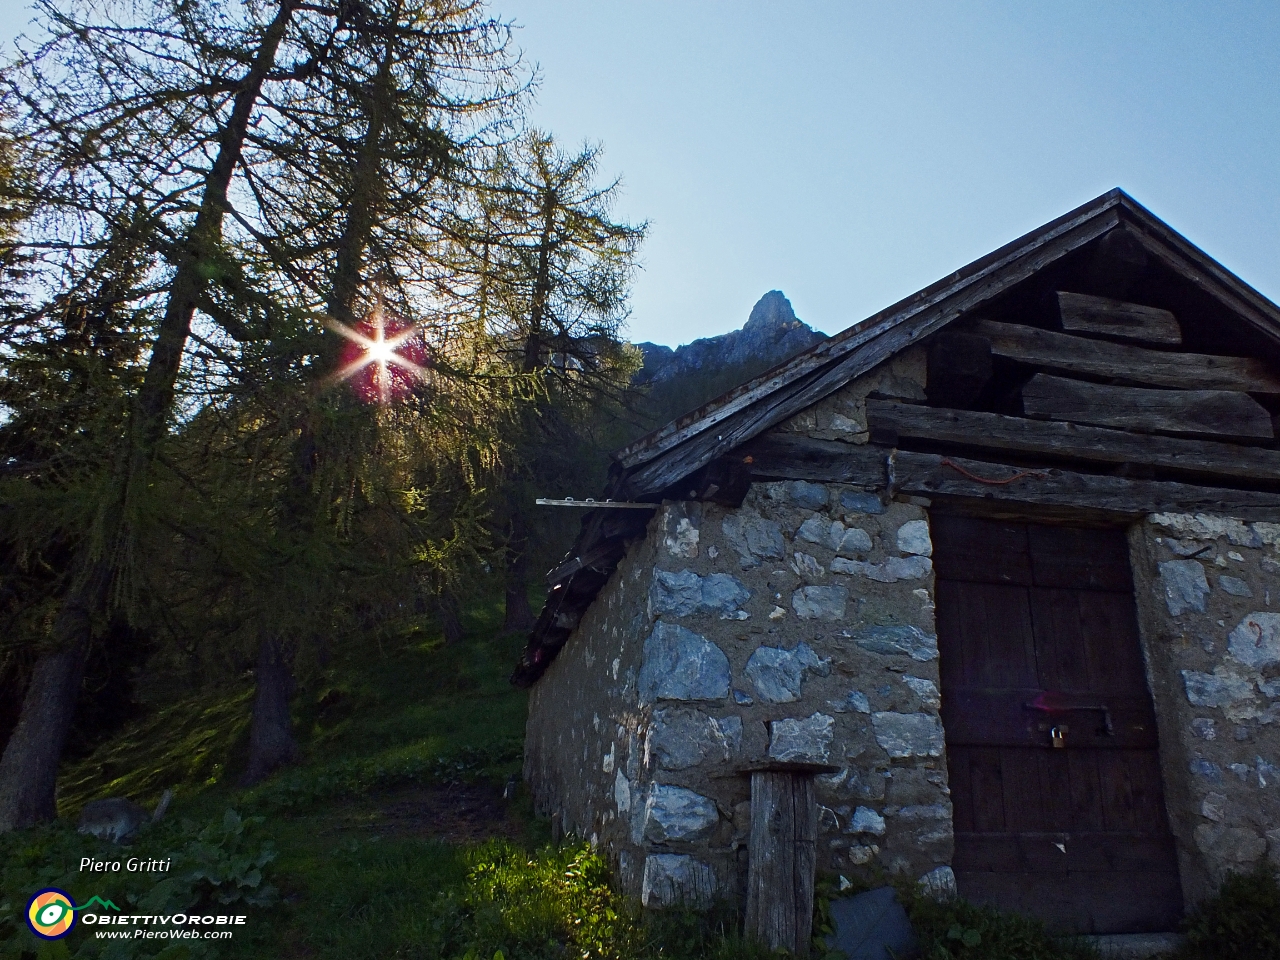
994	483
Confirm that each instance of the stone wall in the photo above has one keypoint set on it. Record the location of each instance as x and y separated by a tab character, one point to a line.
797	627
843	414
1208	591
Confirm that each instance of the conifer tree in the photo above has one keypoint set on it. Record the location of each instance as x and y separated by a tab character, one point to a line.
128	124
552	269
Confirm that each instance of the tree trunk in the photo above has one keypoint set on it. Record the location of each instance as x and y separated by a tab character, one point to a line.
271	743
450	617
519	615
29	768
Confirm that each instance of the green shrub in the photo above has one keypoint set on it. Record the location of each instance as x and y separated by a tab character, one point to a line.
224	863
1240	922
959	930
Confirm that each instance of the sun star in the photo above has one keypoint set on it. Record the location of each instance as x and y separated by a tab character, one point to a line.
381	359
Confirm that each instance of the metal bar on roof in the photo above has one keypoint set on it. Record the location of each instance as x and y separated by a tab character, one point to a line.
592	504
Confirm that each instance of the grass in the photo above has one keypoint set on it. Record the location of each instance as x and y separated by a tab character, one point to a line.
325	869
313	856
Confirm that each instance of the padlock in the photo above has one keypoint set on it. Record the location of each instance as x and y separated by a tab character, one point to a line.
1059	735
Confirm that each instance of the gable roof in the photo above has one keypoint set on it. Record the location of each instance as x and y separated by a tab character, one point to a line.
648	468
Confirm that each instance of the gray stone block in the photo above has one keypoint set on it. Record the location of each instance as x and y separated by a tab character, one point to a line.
852	501
804	565
679	594
685	593
682	665
677	880
723	594
895	641
866	820
777	674
891	571
752	537
802	741
908	734
682	737
871	926
820	603
926	690
939	884
814	530
1201	767
1230	846
799	493
674	813
1185	586
1234	586
1256	640
848	541
913	537
1208	690
855	702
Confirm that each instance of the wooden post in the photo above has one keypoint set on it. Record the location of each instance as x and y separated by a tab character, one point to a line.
782	855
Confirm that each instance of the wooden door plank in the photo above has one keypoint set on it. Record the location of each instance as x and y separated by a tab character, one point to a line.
1116	318
1079	851
1110	635
1060	651
1101	358
960	782
1055	781
994	431
1086	790
1080	558
1024	806
981	551
1005	616
1083	902
1219	413
986	774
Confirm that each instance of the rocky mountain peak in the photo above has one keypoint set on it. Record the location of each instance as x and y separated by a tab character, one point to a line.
771	335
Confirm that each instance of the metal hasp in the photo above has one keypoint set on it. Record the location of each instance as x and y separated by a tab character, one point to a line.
1107	726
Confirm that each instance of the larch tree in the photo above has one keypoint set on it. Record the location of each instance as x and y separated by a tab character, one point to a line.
389	132
551	270
136	115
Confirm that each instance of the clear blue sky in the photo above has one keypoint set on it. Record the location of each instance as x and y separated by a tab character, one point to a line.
850	153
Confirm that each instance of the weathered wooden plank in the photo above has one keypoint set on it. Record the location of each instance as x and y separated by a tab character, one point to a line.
781	859
993	431
1085	850
1219	413
797	457
1061	351
928	474
1115	318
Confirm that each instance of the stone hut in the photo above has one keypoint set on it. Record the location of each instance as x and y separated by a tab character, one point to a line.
998	565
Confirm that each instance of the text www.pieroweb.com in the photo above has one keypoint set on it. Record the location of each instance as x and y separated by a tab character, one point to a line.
179	926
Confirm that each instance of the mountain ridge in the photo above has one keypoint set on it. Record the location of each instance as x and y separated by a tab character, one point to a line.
771	335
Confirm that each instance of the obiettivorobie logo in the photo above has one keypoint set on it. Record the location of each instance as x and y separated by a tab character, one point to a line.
51	913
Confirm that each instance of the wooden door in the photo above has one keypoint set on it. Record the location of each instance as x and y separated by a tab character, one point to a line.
1037	630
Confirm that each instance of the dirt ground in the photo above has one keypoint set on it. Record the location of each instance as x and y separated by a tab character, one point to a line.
455	814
